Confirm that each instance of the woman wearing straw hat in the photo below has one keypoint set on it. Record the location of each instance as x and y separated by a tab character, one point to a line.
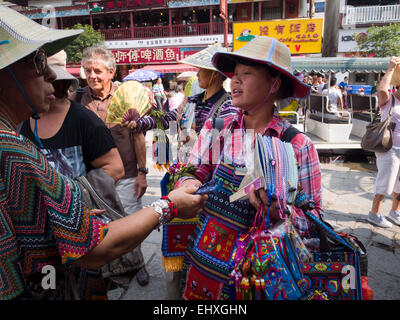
211	103
44	224
260	74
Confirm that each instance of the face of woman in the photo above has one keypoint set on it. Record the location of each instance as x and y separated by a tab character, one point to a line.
37	86
250	86
204	77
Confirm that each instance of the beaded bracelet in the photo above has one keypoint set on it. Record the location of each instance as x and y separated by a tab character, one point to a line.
166	209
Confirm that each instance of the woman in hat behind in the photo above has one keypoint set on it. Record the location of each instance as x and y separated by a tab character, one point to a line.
72	134
260	74
214	101
44	224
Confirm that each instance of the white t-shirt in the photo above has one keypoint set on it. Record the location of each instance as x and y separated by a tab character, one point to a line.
333	95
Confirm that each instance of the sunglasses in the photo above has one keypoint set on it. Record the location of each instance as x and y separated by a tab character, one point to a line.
39	59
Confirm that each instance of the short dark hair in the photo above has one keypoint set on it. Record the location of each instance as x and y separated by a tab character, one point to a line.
333	81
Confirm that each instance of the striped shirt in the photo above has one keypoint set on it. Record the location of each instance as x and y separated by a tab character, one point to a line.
204	154
202	112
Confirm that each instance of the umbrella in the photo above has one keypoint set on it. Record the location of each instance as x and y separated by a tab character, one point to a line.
185	76
142	75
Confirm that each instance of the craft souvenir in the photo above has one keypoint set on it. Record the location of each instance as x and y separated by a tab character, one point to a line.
266	262
130	102
176	234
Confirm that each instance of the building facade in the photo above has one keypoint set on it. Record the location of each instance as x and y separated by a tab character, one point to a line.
161	32
356	17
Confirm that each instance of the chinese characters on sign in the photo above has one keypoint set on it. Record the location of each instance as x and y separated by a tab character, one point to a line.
146	56
300	35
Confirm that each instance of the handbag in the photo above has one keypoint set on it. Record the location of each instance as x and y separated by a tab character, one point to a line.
379	134
98	192
334	273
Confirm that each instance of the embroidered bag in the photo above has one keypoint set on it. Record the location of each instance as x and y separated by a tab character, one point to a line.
334	272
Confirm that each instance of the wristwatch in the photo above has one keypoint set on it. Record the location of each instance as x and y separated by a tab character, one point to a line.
143	170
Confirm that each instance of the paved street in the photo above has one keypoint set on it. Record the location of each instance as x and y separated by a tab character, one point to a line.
347	195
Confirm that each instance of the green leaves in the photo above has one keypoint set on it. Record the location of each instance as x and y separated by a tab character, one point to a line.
380	41
89	37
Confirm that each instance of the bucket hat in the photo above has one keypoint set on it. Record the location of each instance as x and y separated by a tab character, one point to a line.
20	36
263	50
203	58
58	64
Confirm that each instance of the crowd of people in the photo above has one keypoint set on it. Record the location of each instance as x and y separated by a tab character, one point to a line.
51	134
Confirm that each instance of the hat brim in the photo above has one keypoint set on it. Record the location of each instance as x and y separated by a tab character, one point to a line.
62	74
25	36
202	59
225	63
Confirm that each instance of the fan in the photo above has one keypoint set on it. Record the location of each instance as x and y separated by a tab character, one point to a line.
130	102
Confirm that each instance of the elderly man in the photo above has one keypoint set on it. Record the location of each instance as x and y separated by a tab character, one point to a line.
99	69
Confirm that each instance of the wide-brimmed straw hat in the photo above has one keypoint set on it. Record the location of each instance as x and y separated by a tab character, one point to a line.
20	36
58	62
263	50
203	58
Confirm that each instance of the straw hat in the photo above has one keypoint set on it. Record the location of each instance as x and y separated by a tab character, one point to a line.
58	64
203	58
20	36
263	50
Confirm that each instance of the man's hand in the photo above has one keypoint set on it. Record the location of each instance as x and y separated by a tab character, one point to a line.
129	124
140	185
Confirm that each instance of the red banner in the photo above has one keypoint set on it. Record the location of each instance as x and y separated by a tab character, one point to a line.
147	56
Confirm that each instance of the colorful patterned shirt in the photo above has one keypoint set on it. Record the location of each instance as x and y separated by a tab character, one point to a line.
205	154
42	219
202	112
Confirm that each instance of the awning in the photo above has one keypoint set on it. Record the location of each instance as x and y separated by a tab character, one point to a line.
171	68
339	64
74	71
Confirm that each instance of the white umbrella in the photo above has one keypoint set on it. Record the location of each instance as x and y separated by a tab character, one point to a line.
184	76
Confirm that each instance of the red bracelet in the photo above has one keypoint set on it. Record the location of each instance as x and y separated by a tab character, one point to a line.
172	208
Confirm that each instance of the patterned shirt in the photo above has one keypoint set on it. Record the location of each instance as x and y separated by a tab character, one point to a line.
42	219
202	111
205	153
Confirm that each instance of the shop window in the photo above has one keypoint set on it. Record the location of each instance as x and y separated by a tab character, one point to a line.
361	77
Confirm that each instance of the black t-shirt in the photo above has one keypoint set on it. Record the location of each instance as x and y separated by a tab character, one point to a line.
82	138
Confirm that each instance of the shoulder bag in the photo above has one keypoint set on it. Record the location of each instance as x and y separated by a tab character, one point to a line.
379	134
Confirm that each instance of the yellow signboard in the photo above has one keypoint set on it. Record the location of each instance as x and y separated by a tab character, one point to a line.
300	35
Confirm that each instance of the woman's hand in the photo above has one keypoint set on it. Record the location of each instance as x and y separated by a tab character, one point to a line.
394	61
259	198
188	204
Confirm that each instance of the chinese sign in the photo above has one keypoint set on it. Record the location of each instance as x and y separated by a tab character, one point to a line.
146	56
300	35
163	42
128	4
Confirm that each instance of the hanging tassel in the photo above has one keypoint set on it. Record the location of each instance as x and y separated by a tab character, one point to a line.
172	264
